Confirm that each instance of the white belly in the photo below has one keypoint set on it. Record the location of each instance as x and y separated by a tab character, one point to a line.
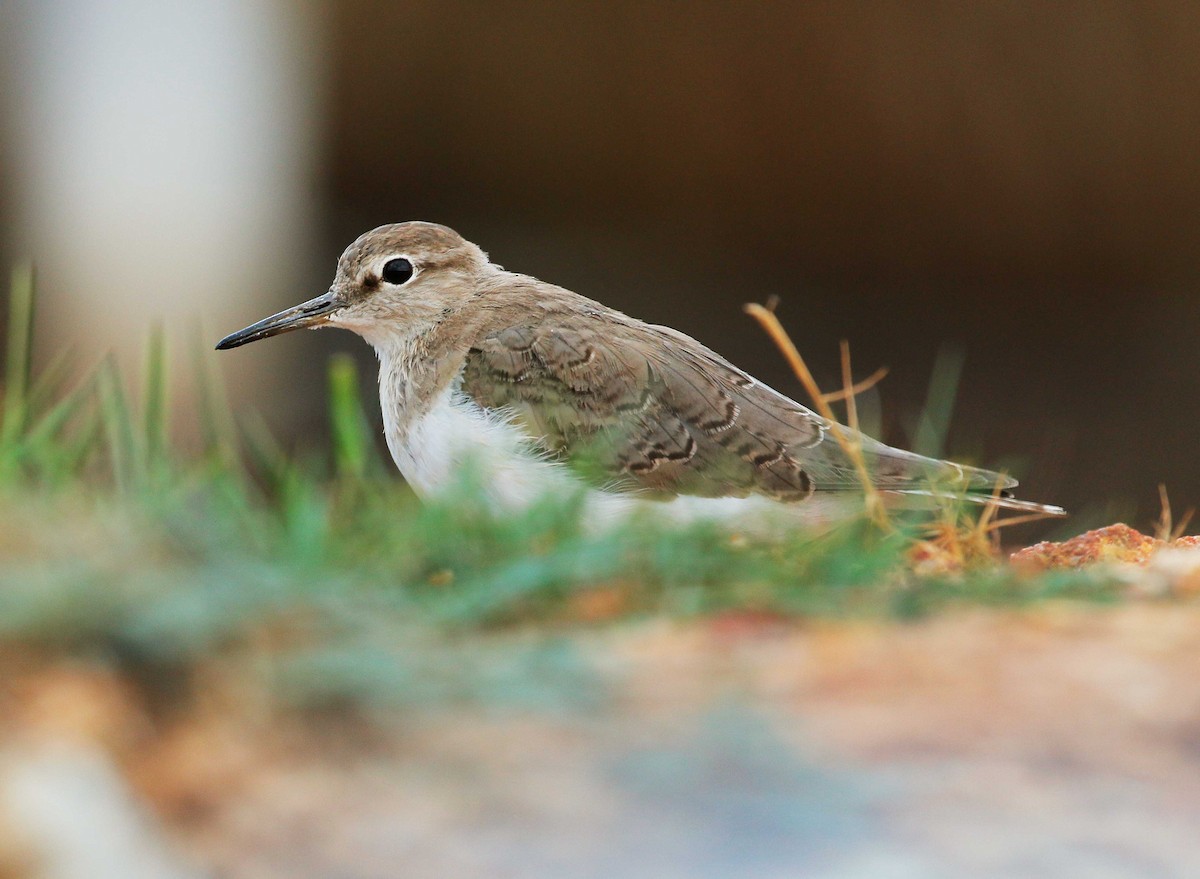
457	443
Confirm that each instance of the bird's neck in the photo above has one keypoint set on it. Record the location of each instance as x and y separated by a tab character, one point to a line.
421	352
414	371
435	433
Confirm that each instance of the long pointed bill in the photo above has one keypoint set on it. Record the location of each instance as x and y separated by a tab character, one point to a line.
307	314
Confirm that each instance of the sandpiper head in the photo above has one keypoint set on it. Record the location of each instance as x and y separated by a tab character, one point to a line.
394	279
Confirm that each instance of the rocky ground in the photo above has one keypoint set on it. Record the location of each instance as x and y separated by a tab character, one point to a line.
1043	743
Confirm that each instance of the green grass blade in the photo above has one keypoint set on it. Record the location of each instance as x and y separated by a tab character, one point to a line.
154	400
45	430
48	385
118	426
216	424
17	364
266	454
353	448
934	424
72	453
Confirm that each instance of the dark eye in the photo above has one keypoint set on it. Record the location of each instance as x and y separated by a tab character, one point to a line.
397	271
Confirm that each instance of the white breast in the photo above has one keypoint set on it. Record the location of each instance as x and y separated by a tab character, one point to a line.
434	450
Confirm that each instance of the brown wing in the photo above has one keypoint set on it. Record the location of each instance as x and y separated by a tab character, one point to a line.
648	408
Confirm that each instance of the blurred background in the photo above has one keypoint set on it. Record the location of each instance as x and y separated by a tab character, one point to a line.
1015	183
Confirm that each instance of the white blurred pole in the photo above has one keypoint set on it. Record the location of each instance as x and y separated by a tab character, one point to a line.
164	153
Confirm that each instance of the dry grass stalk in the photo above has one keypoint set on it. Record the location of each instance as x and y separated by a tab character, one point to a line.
849	442
1167	530
859	387
956	539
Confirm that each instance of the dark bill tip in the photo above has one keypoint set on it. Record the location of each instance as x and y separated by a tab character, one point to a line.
308	314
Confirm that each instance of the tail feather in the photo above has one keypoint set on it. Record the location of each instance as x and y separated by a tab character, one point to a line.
1006	503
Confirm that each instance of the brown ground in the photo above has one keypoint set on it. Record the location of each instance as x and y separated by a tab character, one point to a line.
1059	742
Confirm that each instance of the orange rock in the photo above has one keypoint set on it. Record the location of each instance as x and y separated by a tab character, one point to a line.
1114	543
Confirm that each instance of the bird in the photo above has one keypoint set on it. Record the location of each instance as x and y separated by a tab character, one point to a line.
542	390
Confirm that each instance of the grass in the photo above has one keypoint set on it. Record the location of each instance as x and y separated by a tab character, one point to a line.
328	581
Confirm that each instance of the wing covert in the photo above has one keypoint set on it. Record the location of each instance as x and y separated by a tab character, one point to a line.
650	409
